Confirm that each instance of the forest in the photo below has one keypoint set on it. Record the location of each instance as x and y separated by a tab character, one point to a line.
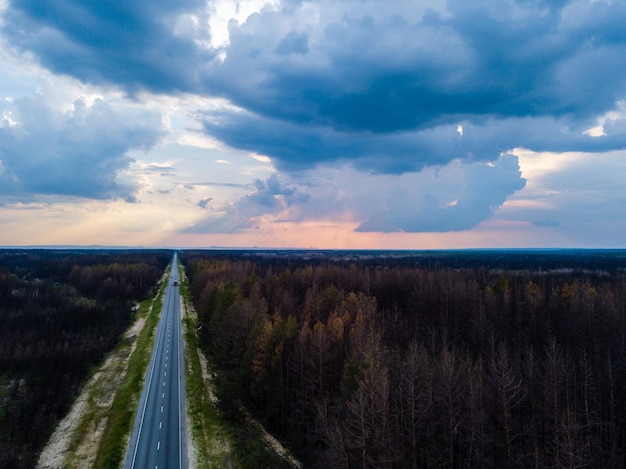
61	311
422	360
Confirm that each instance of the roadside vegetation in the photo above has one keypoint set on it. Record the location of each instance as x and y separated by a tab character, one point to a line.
211	434
232	440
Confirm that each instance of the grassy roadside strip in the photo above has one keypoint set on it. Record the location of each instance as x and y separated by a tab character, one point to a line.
218	442
121	414
212	436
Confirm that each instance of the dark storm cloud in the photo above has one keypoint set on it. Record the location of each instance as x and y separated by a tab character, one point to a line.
130	42
294	43
75	153
385	73
504	68
366	72
296	147
382	86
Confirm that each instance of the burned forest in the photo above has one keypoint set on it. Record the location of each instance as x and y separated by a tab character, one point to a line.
422	360
60	313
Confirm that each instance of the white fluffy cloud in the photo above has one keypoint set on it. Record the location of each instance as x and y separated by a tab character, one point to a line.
454	197
77	150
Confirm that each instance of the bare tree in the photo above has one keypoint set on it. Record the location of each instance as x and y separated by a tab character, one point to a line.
507	393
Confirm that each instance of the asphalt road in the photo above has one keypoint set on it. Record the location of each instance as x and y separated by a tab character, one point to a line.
158	439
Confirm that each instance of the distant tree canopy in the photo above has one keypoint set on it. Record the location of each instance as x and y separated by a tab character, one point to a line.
60	313
384	363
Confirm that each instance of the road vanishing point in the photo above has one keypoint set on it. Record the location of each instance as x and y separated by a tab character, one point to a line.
159	436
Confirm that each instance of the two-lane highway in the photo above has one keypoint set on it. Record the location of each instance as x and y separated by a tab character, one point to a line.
158	439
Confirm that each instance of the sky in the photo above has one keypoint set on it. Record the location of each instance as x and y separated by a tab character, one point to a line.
347	124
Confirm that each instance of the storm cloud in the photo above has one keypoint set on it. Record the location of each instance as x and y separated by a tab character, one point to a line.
517	72
349	66
136	44
389	88
75	152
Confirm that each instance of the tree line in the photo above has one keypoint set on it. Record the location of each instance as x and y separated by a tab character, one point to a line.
389	365
60	313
